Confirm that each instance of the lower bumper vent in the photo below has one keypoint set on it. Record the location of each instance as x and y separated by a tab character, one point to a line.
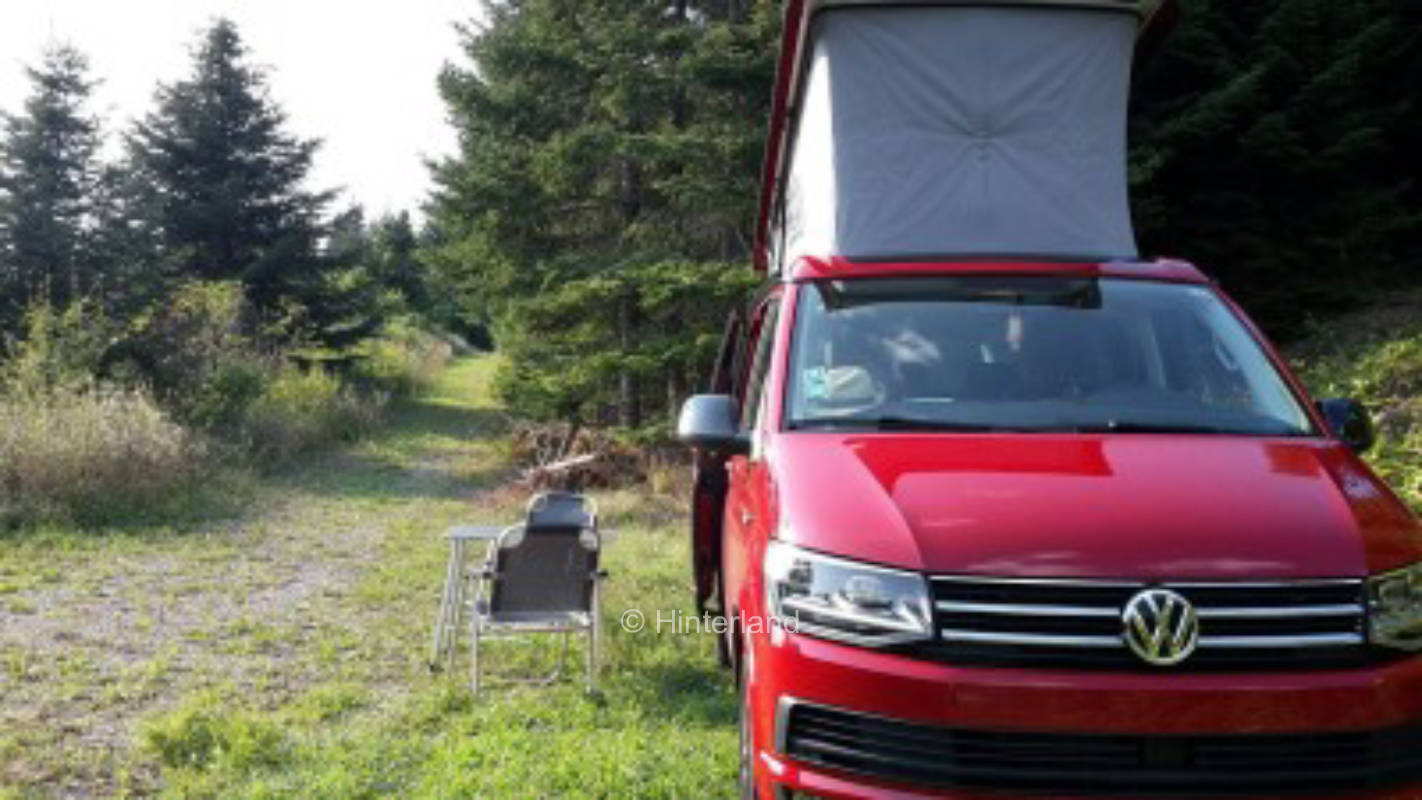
1136	765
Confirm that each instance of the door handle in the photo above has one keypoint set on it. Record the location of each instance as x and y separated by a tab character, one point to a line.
746	517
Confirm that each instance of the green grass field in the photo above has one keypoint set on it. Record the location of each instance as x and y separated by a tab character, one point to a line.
280	651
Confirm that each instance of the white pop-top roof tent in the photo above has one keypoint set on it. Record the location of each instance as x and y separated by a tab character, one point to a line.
957	130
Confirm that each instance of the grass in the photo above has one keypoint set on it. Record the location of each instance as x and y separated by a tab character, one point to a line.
1375	355
280	652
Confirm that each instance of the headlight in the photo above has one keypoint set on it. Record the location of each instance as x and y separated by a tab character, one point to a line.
845	600
1395	608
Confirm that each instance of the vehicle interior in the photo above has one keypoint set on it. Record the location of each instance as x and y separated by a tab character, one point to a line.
1034	353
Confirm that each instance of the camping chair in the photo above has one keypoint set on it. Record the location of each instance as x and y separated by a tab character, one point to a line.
541	577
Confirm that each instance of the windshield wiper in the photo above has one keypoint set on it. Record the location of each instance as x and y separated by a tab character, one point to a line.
1128	426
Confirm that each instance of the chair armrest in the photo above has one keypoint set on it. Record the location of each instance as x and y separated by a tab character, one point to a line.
484	571
599	574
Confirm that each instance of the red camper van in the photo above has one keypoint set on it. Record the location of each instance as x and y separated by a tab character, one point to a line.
998	507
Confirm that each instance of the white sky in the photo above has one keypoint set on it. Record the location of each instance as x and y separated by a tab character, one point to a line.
358	75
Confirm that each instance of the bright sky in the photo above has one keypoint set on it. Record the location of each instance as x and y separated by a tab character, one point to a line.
358	75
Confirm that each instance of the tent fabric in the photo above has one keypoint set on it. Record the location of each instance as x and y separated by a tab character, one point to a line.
950	131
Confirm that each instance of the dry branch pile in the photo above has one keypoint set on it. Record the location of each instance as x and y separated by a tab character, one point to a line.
572	458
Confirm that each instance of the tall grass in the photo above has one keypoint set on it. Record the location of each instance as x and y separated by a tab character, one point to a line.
90	454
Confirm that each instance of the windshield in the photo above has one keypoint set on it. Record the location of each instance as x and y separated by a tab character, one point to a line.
1030	354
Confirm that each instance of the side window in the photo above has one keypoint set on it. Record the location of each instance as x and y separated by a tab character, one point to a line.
760	366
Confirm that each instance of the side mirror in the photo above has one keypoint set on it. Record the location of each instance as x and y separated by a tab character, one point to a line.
710	422
1349	421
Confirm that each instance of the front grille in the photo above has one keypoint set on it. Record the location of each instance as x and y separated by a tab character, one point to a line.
1077	624
1134	764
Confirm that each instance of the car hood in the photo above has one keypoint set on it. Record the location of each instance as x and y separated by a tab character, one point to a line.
1145	507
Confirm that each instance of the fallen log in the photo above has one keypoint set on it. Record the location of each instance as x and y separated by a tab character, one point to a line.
562	465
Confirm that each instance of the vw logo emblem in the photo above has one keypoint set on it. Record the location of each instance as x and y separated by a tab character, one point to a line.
1161	627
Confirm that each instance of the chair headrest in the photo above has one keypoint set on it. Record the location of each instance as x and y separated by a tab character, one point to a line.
560	510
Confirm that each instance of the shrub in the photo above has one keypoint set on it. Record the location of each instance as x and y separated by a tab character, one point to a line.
301	410
192	350
220	403
59	349
216	376
1389	378
403	360
90	454
177	342
1376	356
75	446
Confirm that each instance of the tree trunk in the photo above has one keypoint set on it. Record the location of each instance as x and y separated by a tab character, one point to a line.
629	399
675	393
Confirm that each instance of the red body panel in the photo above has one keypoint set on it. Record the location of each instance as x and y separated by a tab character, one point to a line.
1136	506
1048	700
1062	700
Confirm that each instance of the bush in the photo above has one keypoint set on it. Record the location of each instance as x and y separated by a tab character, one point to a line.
91	454
1376	356
403	360
1388	377
76	446
234	385
192	351
301	410
220	403
59	349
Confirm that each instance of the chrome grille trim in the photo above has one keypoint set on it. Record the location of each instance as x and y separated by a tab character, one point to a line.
1033	609
1108	583
1306	640
1266	612
1031	639
1090	582
1049	640
1301	583
1243	625
1029	609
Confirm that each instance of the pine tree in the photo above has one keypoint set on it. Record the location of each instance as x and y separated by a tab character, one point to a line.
393	260
608	149
1270	140
226	179
48	175
348	239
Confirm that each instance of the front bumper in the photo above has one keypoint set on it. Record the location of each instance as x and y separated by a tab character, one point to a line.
1144	707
